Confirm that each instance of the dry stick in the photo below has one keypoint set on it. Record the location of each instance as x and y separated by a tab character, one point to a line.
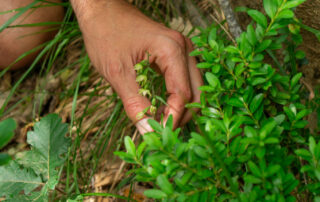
234	26
224	29
122	165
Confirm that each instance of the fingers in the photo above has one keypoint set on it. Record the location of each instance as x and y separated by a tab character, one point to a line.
171	59
195	79
122	77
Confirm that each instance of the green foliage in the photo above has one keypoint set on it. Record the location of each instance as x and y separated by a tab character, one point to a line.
7	128
253	119
37	167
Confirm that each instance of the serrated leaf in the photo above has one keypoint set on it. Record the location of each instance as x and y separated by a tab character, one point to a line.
7	128
48	139
13	180
258	17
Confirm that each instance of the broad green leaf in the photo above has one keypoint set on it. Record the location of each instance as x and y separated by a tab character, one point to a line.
231	49
169	123
152	140
200	151
303	153
270	6
250	132
213	34
13	180
7	128
213	80
204	65
164	184
287	13
254	169
267	128
130	147
255	103
258	80
251	35
293	3
264	45
258	17
155	125
48	139
235	101
252	179
155	193
295	79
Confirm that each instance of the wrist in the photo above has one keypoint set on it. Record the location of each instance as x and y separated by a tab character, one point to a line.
87	9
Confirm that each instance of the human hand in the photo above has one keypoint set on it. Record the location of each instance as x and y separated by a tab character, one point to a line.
117	36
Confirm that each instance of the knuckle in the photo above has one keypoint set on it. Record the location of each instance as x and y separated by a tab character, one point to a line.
178	38
113	70
170	49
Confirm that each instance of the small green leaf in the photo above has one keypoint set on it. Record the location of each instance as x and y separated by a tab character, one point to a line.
152	140
287	13
258	17
254	169
255	103
130	147
270	6
267	128
250	132
231	49
155	193
252	179
251	35
155	125
295	79
293	3
264	45
7	128
213	80
164	184
204	65
258	80
235	101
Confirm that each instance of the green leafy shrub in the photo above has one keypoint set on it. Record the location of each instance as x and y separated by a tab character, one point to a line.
252	139
37	167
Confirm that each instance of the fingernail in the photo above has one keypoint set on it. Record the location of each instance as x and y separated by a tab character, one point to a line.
143	126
